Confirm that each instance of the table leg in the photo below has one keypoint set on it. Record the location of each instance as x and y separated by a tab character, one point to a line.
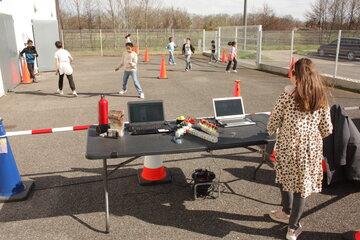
107	227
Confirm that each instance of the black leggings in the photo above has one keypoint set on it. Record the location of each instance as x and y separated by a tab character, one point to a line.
71	81
293	204
229	64
31	69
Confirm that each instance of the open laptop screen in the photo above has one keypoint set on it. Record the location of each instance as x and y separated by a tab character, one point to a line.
229	107
151	111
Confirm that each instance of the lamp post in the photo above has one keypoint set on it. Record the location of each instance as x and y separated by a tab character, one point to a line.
245	22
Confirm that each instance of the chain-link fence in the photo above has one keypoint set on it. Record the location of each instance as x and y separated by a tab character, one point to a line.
274	48
247	39
111	42
332	57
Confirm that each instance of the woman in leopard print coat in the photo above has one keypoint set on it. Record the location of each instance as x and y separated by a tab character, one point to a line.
301	118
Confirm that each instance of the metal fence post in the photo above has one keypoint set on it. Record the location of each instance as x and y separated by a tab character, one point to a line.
292	44
62	37
337	54
245	36
203	43
137	39
101	44
219	42
259	47
236	34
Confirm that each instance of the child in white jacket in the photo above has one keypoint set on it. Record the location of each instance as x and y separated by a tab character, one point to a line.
129	62
232	57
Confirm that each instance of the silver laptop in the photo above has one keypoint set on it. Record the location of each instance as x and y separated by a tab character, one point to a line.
230	112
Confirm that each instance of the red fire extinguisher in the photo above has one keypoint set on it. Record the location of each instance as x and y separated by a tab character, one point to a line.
103	114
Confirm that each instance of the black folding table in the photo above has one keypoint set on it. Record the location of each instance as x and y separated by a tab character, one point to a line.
134	146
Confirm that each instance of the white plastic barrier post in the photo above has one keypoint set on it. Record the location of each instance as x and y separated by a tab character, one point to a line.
337	54
259	46
292	45
101	44
219	43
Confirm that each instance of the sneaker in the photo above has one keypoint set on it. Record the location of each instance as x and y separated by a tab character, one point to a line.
293	234
35	81
142	96
122	92
74	93
186	70
60	92
235	71
227	71
279	216
210	62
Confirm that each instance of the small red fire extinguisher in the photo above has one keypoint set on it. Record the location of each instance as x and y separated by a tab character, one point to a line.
103	114
103	111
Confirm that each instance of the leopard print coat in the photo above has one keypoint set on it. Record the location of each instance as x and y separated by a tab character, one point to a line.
299	145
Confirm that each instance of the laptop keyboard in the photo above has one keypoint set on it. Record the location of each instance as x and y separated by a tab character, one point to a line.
147	129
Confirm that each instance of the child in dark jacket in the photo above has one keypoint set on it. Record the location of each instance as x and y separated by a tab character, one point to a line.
188	50
30	55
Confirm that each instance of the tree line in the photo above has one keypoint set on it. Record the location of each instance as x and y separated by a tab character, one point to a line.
334	15
151	14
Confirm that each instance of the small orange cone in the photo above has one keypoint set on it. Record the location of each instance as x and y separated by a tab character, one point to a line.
291	67
237	88
146	55
224	58
25	72
163	74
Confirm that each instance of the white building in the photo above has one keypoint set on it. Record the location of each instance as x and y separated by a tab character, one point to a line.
30	19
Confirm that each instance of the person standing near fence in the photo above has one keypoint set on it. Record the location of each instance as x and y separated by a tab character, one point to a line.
129	62
232	57
171	48
213	57
63	61
188	50
30	56
127	38
301	118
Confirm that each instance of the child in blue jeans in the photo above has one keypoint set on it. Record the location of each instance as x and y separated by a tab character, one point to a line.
171	48
129	62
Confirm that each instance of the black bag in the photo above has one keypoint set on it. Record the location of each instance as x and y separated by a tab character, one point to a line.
203	176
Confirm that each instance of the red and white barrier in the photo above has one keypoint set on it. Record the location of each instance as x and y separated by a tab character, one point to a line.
47	130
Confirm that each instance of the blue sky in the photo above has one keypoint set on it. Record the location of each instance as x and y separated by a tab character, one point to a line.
296	8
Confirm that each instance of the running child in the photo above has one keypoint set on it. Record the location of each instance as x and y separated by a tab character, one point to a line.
129	62
63	61
188	50
30	56
232	57
301	118
213	57
171	48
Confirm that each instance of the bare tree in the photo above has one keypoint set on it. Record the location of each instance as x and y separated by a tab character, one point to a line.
89	8
353	9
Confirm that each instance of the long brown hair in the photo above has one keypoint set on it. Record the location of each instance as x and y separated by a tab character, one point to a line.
311	92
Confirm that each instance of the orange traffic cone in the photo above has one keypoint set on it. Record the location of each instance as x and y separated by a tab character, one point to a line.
163	74
291	67
224	58
25	72
237	88
146	55
153	172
